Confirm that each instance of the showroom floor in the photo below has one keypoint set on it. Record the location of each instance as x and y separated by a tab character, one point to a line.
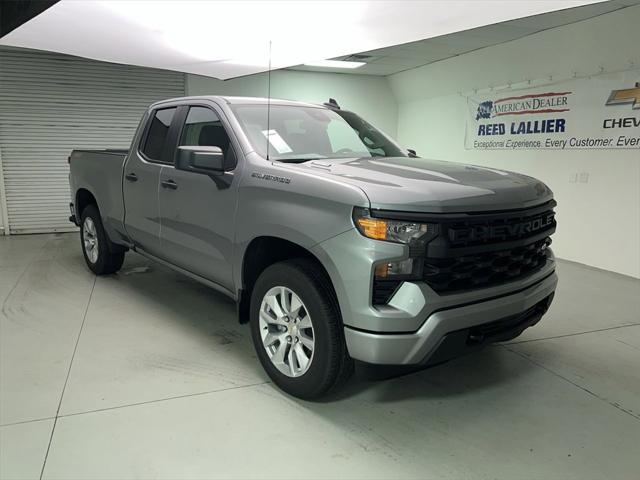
146	374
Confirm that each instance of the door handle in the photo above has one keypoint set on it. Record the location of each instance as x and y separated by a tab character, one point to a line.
132	177
170	184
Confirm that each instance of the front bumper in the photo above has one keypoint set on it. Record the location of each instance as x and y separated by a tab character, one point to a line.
452	331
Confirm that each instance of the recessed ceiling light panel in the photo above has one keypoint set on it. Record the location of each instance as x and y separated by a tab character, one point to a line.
335	64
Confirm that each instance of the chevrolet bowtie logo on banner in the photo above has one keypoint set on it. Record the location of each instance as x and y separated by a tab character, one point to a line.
626	95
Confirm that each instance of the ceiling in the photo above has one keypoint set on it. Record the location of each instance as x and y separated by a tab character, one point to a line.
227	39
390	60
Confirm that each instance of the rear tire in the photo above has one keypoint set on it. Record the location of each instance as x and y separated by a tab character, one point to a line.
317	319
101	255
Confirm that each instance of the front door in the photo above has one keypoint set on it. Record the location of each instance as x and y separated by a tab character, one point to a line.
197	210
142	178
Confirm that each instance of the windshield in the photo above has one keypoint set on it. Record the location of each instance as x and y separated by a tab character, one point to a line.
300	133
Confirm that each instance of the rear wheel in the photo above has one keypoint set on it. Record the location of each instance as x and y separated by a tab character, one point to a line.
297	330
102	258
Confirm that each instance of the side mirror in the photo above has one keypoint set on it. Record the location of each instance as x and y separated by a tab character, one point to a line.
412	153
200	159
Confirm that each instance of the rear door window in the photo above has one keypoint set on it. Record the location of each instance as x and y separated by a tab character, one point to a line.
158	134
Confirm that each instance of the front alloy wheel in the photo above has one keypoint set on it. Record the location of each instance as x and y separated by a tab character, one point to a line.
287	331
297	329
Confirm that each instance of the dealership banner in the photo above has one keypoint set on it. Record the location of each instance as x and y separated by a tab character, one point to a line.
601	112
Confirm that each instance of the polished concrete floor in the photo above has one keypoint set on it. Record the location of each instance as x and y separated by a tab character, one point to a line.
146	374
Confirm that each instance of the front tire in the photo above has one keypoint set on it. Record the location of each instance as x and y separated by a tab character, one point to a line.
101	257
297	329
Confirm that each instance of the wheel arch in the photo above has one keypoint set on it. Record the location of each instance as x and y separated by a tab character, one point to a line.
263	252
83	199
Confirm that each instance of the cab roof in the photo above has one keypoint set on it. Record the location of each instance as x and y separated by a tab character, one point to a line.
232	100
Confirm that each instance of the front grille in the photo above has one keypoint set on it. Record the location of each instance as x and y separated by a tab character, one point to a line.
477	250
486	229
482	270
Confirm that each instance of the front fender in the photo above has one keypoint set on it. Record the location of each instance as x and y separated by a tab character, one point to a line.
295	206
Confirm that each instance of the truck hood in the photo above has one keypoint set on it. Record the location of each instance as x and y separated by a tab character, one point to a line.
418	184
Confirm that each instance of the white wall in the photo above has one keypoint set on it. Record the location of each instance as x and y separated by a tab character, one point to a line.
599	221
370	96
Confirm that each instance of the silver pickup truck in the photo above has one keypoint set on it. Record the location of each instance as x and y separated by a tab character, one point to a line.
336	243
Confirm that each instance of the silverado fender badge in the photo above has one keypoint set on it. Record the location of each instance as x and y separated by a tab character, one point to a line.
273	178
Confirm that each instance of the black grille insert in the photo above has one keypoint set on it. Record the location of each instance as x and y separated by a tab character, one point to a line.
383	290
472	231
485	269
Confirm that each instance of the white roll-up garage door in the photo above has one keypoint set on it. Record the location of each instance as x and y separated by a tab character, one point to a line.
51	104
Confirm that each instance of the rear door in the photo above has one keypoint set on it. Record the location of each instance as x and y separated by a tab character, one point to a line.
142	178
198	210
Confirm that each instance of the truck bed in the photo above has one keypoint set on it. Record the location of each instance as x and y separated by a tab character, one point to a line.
100	172
107	151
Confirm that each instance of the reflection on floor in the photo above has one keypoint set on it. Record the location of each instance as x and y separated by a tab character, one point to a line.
146	374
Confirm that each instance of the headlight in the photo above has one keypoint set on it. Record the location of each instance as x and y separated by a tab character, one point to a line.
398	231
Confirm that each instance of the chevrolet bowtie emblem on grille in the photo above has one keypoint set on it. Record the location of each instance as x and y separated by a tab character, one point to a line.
626	95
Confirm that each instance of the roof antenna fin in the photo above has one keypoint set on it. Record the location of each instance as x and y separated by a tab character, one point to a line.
332	104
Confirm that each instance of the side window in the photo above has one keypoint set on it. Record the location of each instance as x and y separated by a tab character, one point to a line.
203	127
157	133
